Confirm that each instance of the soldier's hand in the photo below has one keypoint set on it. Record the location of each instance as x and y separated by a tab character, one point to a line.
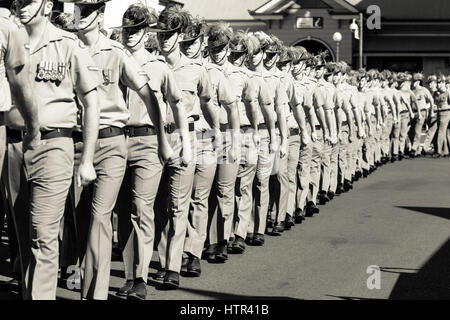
283	150
217	139
186	154
235	152
313	136
165	153
256	138
306	138
31	141
273	145
86	174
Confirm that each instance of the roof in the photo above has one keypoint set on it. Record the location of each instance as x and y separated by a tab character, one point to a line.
222	9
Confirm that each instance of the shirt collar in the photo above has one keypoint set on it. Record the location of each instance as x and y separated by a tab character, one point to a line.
51	34
102	44
5	13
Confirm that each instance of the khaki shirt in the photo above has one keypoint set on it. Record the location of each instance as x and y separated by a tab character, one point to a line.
318	98
442	99
294	98
163	84
13	54
424	97
223	93
307	100
277	91
244	88
58	54
193	80
120	71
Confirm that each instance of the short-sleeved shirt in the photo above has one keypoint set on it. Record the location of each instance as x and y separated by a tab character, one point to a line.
423	97
345	94
329	93
162	82
263	93
223	92
193	80
306	97
120	71
318	98
277	91
442	99
246	91
63	59
294	98
13	54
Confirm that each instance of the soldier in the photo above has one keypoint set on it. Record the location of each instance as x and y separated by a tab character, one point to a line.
136	217
213	160
432	117
391	117
424	102
197	95
15	92
302	69
257	124
284	202
442	100
62	65
395	140
262	63
118	68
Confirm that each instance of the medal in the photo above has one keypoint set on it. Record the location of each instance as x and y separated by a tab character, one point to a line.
40	71
106	77
54	73
61	71
47	70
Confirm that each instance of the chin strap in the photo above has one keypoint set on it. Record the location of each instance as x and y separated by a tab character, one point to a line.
35	15
143	35
221	60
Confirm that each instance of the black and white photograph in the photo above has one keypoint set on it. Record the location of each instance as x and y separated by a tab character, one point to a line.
218	156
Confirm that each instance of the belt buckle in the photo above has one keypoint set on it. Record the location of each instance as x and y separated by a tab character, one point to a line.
170	128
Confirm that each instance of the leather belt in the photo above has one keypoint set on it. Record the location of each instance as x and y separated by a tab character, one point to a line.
45	134
143	131
110	132
224	127
13	134
442	110
262	126
404	111
171	127
294	131
318	127
345	123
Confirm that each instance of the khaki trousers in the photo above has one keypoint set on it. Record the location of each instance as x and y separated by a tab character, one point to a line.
293	168
304	174
442	145
135	205
316	162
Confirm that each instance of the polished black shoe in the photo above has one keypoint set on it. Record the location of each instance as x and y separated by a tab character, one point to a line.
210	253
289	222
347	185
258	239
298	216
138	292
172	280
193	267
309	209
279	227
159	276
339	189
184	263
315	209
331	195
358	175
270	222
123	292
365	173
400	156
249	239
238	245
394	158
221	254
230	245
436	155
323	198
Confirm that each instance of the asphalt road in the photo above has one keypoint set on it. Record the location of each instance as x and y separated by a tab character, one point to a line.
398	219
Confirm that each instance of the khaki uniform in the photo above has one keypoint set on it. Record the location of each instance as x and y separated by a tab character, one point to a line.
117	67
49	168
194	81
424	99
245	91
443	110
137	195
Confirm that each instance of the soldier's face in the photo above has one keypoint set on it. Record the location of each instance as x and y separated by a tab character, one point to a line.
27	9
362	82
441	86
298	67
88	15
133	38
191	48
320	72
432	85
337	78
167	41
270	60
256	58
219	54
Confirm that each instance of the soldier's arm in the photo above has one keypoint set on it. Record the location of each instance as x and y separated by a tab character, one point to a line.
319	106
265	103
205	90
280	101
228	100
90	125
347	108
355	111
330	118
298	111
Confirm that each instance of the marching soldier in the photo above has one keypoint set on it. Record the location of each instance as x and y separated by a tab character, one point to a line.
197	95
257	124
144	169
424	102
391	116
442	100
62	65
118	68
432	117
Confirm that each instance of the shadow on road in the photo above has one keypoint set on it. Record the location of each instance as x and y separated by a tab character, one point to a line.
230	296
349	298
438	212
432	281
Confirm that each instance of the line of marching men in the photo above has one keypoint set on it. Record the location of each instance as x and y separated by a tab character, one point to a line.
201	139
